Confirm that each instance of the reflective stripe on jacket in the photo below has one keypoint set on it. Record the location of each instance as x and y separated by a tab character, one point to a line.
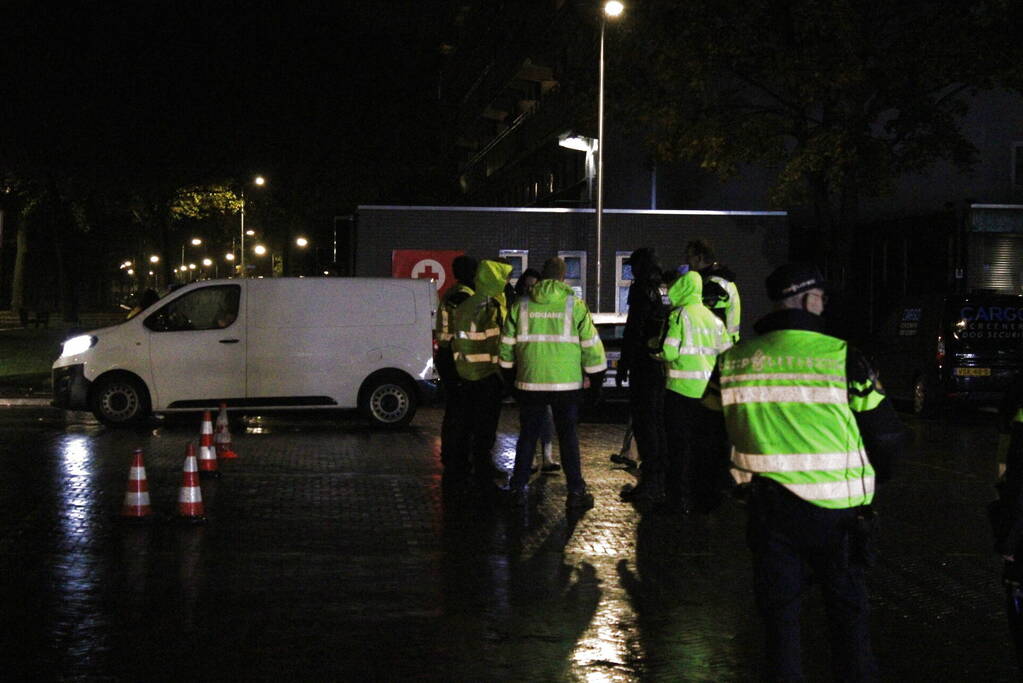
732	306
443	329
550	340
789	408
693	339
477	323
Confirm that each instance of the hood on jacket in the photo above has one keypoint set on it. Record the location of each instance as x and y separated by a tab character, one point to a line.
491	276
645	266
464	269
550	292
688	289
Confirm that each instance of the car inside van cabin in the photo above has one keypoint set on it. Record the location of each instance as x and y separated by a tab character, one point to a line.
258	345
933	350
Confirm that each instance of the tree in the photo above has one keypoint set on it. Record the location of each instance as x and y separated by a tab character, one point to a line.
842	96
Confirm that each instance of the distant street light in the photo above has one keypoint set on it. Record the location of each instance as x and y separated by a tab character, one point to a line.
258	181
229	256
259	249
613	8
207	262
301	241
196	241
154	259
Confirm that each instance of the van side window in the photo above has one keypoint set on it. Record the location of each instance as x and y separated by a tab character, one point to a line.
208	308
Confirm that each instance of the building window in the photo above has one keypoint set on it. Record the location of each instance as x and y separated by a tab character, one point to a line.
519	260
575	271
623	280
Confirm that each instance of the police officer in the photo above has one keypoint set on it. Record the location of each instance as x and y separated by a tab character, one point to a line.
693	339
477	330
464	269
549	342
803	411
719	280
640	365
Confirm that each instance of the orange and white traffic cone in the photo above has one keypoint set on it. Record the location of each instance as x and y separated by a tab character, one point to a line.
222	435
190	508
207	453
136	498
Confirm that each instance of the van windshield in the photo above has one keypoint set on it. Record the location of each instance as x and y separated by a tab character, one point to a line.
986	323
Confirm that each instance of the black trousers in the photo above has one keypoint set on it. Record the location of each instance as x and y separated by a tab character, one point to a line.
795	542
681	416
476	429
646	407
449	433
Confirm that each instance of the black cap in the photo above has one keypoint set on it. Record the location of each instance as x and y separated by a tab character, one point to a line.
792	279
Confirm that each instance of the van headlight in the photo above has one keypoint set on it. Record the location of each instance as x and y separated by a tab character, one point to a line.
77	345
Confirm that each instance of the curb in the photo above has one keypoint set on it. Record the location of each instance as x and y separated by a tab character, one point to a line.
24	402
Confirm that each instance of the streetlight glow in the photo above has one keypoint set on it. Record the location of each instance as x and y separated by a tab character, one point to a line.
259	181
259	249
613	8
196	241
191	266
207	262
154	259
301	241
229	256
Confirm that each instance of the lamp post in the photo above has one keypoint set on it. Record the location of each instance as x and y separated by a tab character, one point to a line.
612	8
259	181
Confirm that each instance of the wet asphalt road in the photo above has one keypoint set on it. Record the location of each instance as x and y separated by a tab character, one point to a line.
329	554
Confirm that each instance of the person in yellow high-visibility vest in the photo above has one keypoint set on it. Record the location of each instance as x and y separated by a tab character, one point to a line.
477	336
551	347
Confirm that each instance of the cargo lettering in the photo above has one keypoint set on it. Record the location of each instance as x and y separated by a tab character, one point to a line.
991	313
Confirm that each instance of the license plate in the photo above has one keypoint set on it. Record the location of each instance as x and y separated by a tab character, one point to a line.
973	372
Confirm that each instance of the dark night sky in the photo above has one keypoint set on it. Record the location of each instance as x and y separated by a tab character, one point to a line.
219	87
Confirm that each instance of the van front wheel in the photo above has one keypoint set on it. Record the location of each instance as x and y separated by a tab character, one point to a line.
119	401
389	401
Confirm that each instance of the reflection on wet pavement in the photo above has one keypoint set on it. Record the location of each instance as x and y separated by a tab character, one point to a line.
331	552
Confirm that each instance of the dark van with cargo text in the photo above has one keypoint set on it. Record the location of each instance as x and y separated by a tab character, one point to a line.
931	350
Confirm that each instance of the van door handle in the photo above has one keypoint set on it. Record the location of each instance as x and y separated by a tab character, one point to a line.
228	341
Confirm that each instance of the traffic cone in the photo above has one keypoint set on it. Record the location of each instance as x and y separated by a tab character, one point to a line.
136	498
190	508
207	453
222	435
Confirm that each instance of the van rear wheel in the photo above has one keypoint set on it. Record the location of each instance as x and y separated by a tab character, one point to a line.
389	400
119	401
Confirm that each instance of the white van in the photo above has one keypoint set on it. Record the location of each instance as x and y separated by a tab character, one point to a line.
260	344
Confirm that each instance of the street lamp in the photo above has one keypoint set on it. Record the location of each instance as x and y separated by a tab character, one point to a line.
259	181
612	9
301	241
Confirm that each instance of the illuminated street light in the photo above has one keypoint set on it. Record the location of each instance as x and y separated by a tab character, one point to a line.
207	262
183	268
260	181
612	9
259	249
250	233
131	271
301	241
196	241
191	266
229	256
154	259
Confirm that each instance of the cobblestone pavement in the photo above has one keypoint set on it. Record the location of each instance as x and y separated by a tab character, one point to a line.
329	554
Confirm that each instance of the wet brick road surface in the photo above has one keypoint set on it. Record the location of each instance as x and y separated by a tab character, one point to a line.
329	554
